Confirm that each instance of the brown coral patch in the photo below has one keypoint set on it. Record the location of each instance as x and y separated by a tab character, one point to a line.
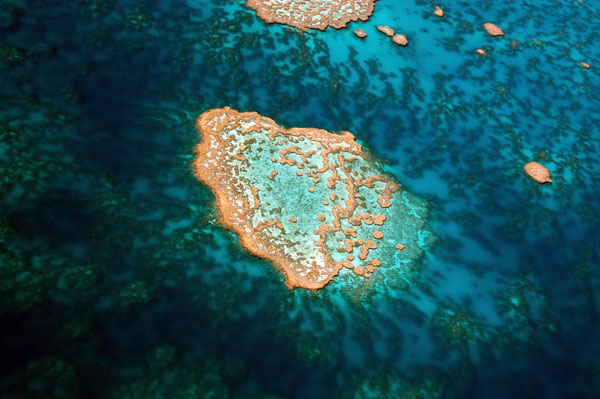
386	30
400	39
538	172
493	29
360	33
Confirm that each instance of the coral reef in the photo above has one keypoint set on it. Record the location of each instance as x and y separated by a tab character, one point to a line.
493	29
347	212
360	33
312	14
386	30
538	172
400	39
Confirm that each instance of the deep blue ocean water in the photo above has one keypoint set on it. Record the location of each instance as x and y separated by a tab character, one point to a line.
116	281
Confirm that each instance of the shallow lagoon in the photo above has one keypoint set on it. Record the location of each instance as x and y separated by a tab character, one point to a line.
116	280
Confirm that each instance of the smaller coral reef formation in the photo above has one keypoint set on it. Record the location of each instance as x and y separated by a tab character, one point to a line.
312	202
400	39
538	172
585	65
438	11
386	30
312	14
360	33
493	29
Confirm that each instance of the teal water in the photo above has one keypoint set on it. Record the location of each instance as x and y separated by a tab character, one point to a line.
116	281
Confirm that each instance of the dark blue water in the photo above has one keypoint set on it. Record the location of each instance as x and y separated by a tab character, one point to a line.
116	281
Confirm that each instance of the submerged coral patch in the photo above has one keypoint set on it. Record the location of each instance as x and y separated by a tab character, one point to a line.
310	201
312	14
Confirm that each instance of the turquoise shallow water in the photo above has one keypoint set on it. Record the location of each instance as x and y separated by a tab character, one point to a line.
117	282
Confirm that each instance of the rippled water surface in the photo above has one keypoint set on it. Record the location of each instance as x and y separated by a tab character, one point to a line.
117	281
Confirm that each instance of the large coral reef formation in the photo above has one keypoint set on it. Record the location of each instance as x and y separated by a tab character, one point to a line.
317	14
310	201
